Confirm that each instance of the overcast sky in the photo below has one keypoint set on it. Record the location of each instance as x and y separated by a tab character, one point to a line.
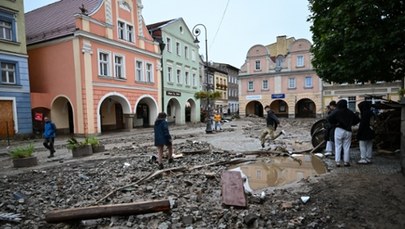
233	26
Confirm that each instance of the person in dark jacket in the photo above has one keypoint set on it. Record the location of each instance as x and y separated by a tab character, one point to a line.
343	119
49	136
329	130
365	134
163	138
271	125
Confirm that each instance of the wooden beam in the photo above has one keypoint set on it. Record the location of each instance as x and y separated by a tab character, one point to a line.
94	212
232	189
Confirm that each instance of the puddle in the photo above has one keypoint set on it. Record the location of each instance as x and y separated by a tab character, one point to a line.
280	171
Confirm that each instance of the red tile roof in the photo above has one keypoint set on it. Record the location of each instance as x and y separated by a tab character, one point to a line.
56	19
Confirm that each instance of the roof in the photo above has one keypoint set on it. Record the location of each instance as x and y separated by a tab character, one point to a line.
155	28
56	19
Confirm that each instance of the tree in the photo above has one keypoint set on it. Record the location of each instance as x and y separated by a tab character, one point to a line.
358	40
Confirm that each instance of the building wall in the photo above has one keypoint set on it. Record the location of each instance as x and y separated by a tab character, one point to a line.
13	52
278	76
180	92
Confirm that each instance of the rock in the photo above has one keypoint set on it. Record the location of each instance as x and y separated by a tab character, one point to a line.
250	219
164	225
187	219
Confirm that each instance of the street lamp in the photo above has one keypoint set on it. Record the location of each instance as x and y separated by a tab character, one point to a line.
197	32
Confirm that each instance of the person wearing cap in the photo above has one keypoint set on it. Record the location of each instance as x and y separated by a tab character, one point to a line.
343	119
49	136
271	125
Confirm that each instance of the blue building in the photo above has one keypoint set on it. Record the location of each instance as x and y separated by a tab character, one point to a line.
15	100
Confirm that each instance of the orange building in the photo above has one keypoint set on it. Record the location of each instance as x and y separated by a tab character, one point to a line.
93	66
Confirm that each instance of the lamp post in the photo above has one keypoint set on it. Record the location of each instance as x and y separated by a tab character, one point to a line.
197	32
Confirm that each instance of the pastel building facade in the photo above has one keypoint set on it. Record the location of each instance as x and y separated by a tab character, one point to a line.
93	65
180	66
15	101
280	75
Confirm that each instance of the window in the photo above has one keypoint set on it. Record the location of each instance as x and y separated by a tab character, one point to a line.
149	73
178	75
119	67
300	61
8	73
121	30
257	65
104	64
187	78
351	104
169	44
194	80
7	27
308	82
178	48
250	86
291	83
265	85
130	33
193	55
169	74
186	52
139	71
125	31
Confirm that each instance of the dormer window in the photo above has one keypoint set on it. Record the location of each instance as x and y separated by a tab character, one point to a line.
257	65
125	31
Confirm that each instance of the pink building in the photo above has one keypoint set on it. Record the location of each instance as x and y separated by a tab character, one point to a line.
93	66
280	75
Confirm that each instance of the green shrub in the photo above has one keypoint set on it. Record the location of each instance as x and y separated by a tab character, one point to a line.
73	143
22	151
92	141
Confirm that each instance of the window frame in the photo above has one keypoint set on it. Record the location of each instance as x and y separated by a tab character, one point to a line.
169	44
178	76
170	74
121	66
125	31
106	62
250	86
139	71
300	61
9	18
7	71
306	85
258	65
149	76
292	79
265	86
178	48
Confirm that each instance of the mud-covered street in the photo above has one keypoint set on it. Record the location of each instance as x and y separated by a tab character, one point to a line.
360	196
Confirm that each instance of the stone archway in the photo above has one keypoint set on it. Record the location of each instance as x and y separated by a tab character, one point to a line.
280	108
174	113
146	111
112	111
62	115
254	108
305	108
191	111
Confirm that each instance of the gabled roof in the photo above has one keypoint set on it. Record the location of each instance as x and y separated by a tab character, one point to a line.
155	28
56	19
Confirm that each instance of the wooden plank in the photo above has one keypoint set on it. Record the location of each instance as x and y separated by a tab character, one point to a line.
102	211
232	189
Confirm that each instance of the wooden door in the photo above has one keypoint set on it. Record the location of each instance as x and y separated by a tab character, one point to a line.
6	119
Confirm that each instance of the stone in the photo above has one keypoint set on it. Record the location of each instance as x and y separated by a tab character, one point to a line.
187	219
250	219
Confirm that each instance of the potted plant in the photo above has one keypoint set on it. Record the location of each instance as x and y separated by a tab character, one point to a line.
95	144
79	148
22	156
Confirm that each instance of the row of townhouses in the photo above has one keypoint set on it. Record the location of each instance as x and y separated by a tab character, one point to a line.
95	66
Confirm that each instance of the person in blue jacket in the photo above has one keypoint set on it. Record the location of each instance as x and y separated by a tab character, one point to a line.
49	136
163	138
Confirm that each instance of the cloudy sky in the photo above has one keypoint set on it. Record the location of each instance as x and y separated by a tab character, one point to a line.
233	26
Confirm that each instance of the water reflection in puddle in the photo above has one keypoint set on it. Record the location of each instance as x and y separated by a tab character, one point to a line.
280	171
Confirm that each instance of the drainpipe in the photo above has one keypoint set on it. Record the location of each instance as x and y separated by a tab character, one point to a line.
162	46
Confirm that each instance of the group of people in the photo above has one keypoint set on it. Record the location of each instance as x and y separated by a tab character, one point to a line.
338	131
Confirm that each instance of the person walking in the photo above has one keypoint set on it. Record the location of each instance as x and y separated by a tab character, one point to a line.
163	138
329	130
49	136
271	125
217	120
365	134
343	119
